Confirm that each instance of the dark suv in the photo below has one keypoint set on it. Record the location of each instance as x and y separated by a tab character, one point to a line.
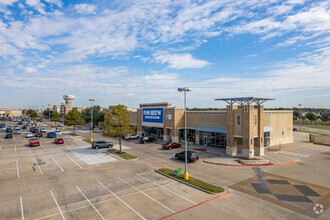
192	156
144	140
101	144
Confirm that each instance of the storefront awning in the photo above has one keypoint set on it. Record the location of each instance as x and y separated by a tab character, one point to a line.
212	129
268	129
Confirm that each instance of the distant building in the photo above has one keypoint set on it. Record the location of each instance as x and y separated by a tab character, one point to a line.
10	112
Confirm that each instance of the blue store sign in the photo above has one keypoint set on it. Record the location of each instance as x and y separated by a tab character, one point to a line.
154	115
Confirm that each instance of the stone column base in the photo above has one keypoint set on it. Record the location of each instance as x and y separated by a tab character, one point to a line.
259	151
247	153
166	138
175	139
231	151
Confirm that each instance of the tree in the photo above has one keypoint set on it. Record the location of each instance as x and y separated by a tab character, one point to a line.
46	113
311	116
32	113
73	118
325	118
55	117
98	115
296	115
117	123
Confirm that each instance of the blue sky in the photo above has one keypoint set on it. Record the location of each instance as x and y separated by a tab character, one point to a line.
131	52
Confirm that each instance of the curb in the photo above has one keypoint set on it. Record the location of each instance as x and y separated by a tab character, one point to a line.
121	156
203	190
222	194
259	165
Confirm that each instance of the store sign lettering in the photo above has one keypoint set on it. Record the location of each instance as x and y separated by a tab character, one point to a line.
154	115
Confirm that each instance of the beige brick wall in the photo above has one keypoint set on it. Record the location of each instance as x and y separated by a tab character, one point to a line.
282	124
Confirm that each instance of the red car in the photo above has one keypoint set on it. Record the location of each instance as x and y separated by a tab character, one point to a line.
171	145
59	141
39	134
34	142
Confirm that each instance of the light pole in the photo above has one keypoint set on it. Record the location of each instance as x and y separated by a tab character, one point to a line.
300	116
92	100
49	112
184	90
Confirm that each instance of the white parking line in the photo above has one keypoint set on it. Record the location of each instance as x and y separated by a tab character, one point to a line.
90	203
38	166
17	168
15	148
168	190
59	209
57	164
147	195
20	198
74	161
100	202
43	147
0	147
122	201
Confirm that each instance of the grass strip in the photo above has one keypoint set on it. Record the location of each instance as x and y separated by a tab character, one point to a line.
123	154
193	181
72	134
315	132
87	140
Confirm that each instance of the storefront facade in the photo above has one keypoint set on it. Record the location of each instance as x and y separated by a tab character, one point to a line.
245	128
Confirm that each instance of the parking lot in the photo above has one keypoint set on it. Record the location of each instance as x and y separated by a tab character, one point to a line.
74	181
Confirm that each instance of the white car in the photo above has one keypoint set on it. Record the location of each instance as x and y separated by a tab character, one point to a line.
131	136
43	130
29	134
58	132
3	129
61	125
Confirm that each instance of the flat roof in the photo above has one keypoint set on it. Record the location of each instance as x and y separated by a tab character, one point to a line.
245	100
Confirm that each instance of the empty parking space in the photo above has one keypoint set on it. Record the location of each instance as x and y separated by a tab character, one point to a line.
91	156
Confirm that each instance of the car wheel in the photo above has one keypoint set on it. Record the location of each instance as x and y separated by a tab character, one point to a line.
97	147
180	146
170	148
176	157
145	142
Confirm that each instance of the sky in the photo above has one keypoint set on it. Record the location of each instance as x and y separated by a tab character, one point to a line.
132	52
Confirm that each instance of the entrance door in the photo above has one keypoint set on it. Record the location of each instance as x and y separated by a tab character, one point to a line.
205	140
170	135
266	138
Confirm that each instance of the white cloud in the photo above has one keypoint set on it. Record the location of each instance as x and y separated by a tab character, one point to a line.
7	2
179	61
85	8
37	5
59	3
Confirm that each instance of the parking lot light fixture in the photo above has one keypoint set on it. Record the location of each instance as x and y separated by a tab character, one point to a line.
92	103
300	116
184	90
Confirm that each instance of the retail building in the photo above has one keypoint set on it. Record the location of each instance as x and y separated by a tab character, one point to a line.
243	128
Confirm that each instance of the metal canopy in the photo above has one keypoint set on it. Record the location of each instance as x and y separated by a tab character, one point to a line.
245	100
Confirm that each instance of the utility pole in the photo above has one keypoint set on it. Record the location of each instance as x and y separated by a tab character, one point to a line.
91	134
300	116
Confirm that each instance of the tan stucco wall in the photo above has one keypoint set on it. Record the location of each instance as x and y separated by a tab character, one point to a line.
133	118
280	121
206	118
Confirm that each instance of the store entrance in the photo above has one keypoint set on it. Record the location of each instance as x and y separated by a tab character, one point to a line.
154	132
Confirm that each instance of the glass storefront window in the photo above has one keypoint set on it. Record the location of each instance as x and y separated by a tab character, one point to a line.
212	139
191	135
154	132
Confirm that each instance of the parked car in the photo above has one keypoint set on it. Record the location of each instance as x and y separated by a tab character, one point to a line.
101	144
39	134
20	123
171	145
3	129
9	129
24	127
58	132
29	134
131	136
295	129
17	131
144	140
33	128
43	130
192	156
34	142
51	134
61	125
59	141
28	124
9	135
